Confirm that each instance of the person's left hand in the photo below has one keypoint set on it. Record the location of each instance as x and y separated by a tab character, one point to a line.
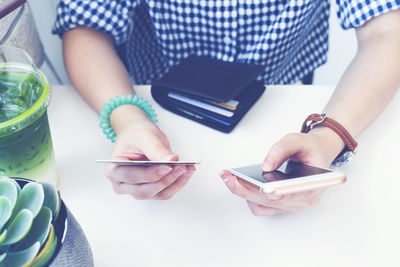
319	147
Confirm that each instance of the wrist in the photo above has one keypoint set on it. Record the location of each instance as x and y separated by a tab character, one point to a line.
331	141
126	114
350	145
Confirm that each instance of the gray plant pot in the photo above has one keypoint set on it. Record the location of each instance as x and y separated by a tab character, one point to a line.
73	249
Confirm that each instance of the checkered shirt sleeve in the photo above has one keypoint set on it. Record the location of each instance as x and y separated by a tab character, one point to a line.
355	13
109	16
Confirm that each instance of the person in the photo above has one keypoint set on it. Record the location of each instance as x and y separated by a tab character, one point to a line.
107	43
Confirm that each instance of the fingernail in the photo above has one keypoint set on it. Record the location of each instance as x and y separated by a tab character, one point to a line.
164	170
191	168
268	165
169	157
274	197
188	175
229	184
223	174
178	172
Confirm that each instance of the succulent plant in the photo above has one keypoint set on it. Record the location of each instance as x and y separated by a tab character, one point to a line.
27	236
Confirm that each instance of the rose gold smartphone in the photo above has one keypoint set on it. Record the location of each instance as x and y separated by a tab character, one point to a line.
291	177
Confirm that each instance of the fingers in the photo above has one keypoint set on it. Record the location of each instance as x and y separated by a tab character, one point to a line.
259	210
264	205
142	140
145	182
316	199
149	190
171	190
244	192
284	149
249	185
308	195
136	175
288	197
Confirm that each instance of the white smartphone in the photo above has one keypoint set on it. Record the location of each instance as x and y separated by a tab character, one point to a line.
290	177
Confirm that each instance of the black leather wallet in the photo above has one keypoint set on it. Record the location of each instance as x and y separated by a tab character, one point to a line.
199	89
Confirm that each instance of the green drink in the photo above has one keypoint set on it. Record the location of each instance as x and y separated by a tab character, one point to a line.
26	148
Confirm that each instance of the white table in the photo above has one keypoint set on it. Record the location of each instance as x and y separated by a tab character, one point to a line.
356	224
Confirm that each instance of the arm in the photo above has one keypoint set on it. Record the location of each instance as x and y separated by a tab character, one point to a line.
98	75
91	62
365	89
369	83
372	78
96	71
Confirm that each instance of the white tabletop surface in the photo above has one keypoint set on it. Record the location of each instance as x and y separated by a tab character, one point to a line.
356	224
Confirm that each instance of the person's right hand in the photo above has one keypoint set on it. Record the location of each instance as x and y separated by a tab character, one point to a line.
141	139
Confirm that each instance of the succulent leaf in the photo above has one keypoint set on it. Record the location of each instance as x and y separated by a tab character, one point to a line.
51	199
27	236
2	256
2	178
38	231
47	251
20	258
3	236
31	198
8	190
19	227
5	211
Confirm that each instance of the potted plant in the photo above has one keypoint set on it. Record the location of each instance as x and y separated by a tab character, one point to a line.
35	225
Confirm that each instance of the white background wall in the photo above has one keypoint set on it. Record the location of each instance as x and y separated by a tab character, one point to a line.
342	44
44	14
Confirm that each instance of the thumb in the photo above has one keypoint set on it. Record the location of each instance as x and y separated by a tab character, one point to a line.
281	151
154	148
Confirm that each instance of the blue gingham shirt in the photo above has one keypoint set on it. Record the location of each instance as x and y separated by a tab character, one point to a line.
289	37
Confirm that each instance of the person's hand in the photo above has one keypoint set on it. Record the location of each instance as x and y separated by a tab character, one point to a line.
319	147
141	139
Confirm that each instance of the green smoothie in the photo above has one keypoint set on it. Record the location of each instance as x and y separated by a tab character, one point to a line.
26	148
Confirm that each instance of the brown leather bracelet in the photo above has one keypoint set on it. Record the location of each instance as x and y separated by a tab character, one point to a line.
351	144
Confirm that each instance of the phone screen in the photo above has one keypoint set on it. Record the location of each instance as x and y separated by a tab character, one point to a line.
287	170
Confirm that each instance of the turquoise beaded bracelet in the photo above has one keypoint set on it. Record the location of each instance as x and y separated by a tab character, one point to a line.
118	101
